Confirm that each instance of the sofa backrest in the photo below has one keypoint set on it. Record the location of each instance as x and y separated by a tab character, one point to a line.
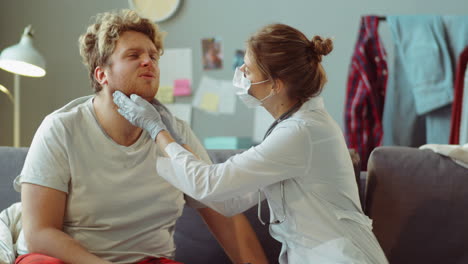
418	201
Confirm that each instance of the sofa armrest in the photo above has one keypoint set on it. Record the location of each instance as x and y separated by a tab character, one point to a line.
417	200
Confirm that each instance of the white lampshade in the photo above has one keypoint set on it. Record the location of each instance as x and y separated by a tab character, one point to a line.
23	58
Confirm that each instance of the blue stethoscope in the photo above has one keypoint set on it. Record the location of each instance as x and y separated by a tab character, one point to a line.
284	116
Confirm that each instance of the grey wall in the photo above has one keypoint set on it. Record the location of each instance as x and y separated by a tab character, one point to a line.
58	23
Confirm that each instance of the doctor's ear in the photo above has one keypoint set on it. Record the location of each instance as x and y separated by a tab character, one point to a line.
100	75
278	85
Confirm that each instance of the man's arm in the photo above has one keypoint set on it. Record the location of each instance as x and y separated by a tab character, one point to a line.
236	236
42	218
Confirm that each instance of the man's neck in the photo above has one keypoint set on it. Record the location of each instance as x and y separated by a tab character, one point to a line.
115	125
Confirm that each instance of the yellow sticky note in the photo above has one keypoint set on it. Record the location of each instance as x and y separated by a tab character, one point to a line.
165	94
210	102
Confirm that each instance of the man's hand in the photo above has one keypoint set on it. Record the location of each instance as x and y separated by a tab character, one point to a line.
168	119
139	112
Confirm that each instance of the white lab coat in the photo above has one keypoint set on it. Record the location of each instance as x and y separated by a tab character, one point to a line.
324	220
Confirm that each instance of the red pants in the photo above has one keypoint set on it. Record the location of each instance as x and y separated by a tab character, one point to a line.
34	258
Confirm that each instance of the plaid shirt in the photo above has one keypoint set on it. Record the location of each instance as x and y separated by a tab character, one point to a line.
365	94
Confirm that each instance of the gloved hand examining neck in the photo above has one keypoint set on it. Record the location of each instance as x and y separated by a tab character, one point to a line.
139	112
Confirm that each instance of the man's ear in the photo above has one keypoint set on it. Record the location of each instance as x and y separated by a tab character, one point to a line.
100	75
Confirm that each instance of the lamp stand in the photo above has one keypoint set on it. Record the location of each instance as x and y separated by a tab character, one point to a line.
16	112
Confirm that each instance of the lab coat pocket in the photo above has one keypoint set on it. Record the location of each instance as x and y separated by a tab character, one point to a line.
355	217
340	250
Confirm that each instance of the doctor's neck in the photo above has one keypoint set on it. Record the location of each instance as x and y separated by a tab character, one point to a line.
278	105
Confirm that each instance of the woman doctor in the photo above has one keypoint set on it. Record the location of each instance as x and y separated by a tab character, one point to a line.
302	167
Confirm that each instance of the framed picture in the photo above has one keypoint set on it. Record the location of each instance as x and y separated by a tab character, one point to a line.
212	53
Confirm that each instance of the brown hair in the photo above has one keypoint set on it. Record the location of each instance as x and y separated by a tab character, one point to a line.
98	43
283	52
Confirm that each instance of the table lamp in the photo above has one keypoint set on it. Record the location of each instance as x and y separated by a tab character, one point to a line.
21	59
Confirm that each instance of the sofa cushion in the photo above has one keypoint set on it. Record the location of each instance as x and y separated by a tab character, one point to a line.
418	201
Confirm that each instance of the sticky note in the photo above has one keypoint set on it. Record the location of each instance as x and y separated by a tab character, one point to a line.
165	94
210	102
182	87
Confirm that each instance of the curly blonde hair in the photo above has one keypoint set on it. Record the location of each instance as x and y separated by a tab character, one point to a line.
99	41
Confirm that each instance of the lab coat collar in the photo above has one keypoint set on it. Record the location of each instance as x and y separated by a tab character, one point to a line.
313	103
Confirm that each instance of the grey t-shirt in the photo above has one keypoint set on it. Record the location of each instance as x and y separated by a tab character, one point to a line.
117	206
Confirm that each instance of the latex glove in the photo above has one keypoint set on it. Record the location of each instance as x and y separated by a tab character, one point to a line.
139	112
168	120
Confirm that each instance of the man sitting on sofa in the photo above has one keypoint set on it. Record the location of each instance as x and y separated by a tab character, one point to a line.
88	187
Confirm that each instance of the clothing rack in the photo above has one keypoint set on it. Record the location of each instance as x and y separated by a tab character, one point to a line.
382	18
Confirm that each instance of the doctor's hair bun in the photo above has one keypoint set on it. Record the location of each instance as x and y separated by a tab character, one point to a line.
321	46
284	53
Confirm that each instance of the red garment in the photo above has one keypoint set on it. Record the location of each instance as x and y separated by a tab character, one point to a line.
458	98
365	94
159	261
35	258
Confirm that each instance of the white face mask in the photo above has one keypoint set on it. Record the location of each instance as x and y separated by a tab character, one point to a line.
244	84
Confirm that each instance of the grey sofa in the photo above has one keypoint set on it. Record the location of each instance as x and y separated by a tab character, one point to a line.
195	244
418	201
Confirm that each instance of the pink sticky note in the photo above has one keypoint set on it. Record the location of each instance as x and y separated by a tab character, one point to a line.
182	87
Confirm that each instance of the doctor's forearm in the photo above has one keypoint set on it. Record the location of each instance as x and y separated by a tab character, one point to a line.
164	138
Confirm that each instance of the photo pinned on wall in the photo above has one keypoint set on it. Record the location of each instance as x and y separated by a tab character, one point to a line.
212	54
238	59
